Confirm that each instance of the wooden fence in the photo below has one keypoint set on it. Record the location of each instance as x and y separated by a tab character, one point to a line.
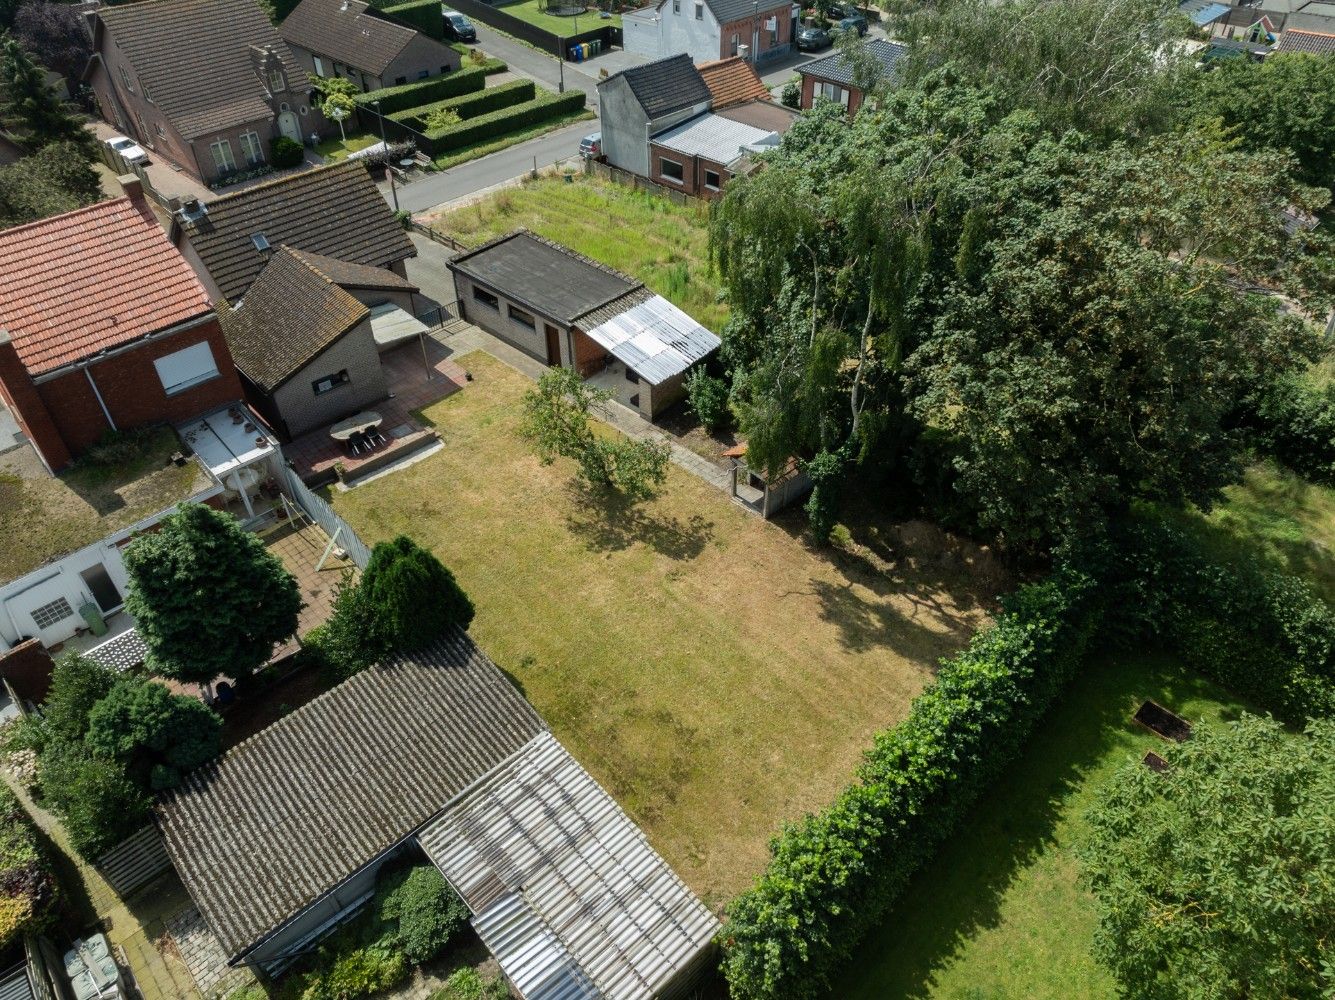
135	861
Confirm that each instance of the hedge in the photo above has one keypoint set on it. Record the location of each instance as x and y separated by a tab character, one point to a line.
435	88
834	874
424	15
1295	422
470	105
503	121
27	887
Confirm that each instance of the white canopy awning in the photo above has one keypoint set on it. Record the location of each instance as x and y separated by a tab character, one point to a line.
655	339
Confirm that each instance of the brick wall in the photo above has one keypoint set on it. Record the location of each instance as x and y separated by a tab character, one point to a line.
751	31
24	401
28	668
810	83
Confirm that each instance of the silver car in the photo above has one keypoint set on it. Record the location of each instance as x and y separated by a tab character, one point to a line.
591	146
129	150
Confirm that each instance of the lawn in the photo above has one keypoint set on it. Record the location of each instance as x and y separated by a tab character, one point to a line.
718	676
664	245
533	11
337	149
51	516
466	153
999	913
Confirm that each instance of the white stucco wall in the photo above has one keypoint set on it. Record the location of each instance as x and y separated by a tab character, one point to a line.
665	31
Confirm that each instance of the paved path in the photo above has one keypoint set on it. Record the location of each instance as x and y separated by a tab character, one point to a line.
545	69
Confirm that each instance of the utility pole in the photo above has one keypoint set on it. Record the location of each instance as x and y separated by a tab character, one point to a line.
561	63
389	167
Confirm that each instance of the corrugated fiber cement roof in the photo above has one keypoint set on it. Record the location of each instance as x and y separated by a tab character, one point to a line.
655	339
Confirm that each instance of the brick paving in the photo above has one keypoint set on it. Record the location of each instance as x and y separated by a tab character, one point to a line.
411	386
203	955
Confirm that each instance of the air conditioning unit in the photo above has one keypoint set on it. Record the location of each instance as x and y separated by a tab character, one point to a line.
744	51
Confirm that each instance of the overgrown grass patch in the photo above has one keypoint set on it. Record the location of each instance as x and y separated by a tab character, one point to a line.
337	149
999	912
717	674
532	12
663	244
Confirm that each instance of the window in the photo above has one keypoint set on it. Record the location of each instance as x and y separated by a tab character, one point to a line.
422	74
833	92
486	298
222	156
521	317
285	106
162	132
143	128
125	79
736	40
773	32
330	382
52	614
699	12
188	368
147	96
251	148
712	180
277	81
302	110
399	81
260	240
676	6
319	65
670	170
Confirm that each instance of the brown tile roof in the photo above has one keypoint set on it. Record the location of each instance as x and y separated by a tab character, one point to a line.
1298	40
343	30
290	314
77	284
762	114
194	58
732	81
293	811
347	275
336	211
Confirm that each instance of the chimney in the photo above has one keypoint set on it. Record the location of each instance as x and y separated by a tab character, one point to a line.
132	186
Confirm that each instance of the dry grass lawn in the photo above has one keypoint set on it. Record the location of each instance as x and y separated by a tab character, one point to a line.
714	673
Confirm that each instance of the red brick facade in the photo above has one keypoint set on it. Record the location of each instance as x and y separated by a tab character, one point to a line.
750	31
695	172
809	90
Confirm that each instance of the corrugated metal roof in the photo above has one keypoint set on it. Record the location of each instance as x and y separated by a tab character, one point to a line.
542	833
1203	12
714	138
290	813
655	339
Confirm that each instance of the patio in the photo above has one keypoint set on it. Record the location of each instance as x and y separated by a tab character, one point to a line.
414	382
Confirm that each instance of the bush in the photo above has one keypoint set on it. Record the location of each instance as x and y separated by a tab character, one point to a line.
469	105
834	874
468	984
424	15
285	152
347	643
1296	423
826	472
708	397
791	95
97	801
410	597
422	92
425	911
503	121
441	118
347	967
27	888
158	736
77	684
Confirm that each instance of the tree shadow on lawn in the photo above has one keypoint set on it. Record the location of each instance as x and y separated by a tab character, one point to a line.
959	894
608	521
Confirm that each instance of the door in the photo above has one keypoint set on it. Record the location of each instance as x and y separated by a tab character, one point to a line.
102	588
287	124
553	346
46	611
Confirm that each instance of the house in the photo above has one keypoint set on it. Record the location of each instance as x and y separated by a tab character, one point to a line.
833	77
700	155
104	327
206	84
1316	42
564	309
705	30
1269	17
333	211
732	81
435	756
349	39
304	337
638	102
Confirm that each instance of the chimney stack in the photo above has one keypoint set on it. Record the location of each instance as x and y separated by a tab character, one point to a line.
132	186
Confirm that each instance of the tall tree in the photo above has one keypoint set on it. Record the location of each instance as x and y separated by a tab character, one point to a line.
30	109
58	178
411	597
209	598
1213	879
156	735
56	36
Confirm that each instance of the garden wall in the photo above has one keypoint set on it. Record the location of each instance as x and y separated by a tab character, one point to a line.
541	38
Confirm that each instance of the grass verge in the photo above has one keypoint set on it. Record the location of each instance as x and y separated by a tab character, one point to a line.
335	150
473	152
999	912
716	674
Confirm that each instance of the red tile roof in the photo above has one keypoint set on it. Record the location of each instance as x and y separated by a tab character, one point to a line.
80	283
732	81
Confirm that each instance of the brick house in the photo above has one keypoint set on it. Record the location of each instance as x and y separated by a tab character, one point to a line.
707	30
732	81
831	78
104	327
206	84
349	39
701	155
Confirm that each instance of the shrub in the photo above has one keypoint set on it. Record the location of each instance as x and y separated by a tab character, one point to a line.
826	471
425	911
347	967
347	643
27	888
504	121
791	95
441	118
424	15
833	874
285	152
468	984
422	92
77	684
708	397
97	801
158	736
1296	423
469	105
411	598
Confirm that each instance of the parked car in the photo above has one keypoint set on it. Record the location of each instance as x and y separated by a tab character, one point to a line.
812	38
853	19
129	149
591	146
457	27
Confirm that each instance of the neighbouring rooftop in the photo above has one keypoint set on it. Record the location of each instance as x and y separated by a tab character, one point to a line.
224	443
346	30
732	81
1319	43
716	138
838	68
665	85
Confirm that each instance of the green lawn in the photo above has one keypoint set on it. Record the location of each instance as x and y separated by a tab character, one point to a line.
715	673
466	153
532	12
664	245
999	913
337	149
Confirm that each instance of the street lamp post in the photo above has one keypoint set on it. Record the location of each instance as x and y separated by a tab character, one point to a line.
389	167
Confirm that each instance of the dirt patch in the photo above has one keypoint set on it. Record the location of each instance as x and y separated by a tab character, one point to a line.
683	425
1155	763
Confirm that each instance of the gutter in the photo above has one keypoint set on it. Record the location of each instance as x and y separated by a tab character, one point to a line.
84	363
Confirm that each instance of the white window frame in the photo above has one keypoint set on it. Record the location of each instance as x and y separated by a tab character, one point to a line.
277	80
319	65
331	382
671	180
186	368
833	92
676	6
699	10
125	79
716	173
226	162
249	139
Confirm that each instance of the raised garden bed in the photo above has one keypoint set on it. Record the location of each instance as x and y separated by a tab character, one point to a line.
1162	722
1155	763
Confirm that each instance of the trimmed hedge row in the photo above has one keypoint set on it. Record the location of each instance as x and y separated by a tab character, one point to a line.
435	88
503	121
470	105
833	875
424	15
